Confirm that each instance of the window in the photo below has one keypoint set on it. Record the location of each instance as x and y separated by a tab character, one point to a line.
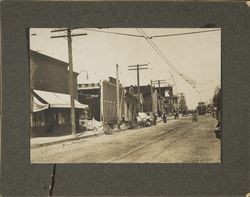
61	119
38	119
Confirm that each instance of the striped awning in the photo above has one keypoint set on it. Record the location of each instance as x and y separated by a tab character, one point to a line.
43	100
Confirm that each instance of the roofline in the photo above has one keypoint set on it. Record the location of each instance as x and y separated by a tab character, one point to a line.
63	63
88	88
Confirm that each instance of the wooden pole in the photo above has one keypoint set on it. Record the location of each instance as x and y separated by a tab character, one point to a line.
71	83
138	85
159	87
117	94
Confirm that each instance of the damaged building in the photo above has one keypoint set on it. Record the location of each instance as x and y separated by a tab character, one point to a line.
102	100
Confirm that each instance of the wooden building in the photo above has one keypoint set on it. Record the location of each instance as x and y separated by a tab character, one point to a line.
49	96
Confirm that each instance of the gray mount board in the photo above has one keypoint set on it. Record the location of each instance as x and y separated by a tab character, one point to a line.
21	178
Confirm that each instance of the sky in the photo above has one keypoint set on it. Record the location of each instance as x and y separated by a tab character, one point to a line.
195	56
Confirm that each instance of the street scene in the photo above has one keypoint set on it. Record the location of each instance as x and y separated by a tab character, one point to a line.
125	95
178	142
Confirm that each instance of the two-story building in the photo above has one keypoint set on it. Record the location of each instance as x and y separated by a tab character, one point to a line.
49	96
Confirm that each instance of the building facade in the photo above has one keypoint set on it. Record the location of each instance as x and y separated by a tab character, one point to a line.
102	100
50	98
50	74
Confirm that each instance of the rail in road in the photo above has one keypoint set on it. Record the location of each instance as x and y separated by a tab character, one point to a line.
154	140
177	141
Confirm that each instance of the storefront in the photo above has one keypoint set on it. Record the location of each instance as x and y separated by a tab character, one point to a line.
50	114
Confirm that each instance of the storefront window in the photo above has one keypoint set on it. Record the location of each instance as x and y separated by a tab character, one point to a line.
61	119
38	119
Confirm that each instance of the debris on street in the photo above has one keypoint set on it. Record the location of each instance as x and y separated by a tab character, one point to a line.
94	125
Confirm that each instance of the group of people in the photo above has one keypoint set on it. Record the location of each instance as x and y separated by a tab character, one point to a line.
164	118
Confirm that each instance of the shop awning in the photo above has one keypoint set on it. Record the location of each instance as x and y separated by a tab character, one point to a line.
39	106
54	100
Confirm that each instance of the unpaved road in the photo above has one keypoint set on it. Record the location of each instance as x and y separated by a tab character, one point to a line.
178	141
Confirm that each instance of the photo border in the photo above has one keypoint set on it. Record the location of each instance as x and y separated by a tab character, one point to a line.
21	178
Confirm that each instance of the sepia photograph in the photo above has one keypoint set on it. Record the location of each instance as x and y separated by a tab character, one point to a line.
125	95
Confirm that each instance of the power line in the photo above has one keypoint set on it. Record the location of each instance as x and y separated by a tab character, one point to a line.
162	54
110	32
151	37
157	50
182	34
154	46
73	48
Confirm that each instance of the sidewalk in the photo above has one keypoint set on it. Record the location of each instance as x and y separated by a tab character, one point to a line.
46	141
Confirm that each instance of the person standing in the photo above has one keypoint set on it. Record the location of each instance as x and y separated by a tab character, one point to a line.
164	117
155	118
194	116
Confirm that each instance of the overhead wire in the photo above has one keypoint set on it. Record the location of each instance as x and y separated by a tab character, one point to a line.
110	32
79	51
156	49
162	54
154	46
184	33
151	37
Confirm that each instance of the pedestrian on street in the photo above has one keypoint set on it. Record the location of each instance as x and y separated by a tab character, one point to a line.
164	117
176	114
155	118
194	116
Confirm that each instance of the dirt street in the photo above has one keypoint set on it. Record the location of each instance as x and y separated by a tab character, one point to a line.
178	141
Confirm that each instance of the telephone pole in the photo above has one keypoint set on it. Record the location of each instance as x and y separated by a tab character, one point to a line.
69	36
138	67
159	82
152	100
117	94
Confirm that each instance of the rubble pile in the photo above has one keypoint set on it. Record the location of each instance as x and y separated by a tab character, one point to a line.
94	125
125	125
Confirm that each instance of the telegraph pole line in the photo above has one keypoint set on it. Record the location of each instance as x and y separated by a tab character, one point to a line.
137	68
71	81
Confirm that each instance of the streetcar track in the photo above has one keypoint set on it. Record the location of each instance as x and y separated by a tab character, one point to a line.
171	144
146	144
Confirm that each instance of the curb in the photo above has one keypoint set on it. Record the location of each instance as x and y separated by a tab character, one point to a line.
65	140
76	138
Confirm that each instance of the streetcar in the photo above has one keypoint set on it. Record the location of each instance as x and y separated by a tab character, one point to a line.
201	108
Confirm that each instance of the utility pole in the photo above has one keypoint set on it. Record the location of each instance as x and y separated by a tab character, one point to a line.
152	100
71	80
138	67
159	82
117	94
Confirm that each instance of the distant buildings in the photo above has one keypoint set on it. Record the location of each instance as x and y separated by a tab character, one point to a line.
149	98
102	100
158	100
50	99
